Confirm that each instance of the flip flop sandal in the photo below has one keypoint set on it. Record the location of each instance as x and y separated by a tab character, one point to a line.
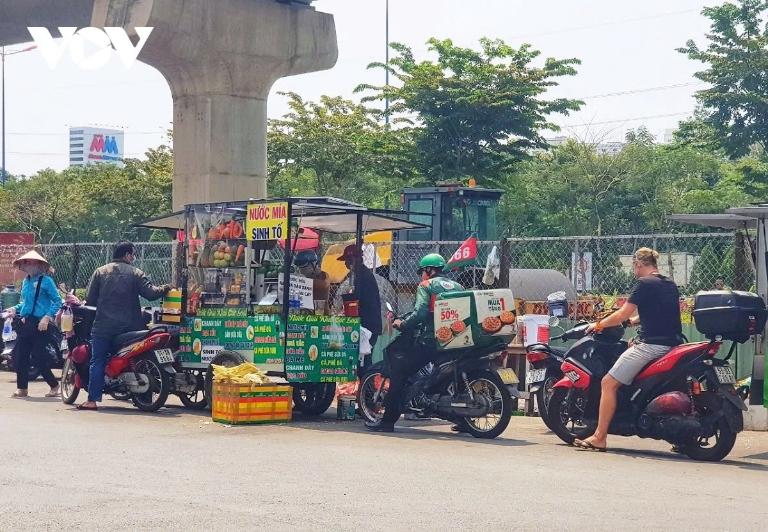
83	407
586	446
54	394
17	395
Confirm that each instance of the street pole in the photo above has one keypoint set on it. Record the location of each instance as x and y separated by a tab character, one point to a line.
2	73
386	60
4	174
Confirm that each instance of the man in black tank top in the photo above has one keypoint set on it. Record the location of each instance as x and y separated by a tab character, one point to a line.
656	301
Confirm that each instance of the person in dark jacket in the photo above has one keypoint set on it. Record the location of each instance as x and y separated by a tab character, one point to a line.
366	291
114	290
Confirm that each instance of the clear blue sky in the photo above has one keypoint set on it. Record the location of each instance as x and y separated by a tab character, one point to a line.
631	74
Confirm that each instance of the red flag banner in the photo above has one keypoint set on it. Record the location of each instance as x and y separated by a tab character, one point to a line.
465	255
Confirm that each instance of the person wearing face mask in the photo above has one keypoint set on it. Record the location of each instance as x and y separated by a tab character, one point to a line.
40	300
114	290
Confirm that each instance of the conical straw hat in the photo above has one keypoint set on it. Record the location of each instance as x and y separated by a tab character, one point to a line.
31	255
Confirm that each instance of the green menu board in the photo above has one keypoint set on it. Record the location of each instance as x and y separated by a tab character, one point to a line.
257	338
322	348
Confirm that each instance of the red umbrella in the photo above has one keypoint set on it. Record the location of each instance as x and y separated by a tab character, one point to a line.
308	239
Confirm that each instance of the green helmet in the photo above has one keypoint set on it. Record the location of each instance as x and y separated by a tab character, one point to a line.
433	260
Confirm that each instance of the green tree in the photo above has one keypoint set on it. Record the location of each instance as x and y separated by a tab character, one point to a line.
91	203
569	191
336	147
473	113
573	190
736	59
707	269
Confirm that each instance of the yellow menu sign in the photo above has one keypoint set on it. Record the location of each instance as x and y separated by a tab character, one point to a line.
266	221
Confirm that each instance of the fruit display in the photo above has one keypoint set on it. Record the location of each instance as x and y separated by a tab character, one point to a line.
222	256
223	246
226	231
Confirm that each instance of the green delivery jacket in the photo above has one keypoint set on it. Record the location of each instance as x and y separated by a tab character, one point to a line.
424	307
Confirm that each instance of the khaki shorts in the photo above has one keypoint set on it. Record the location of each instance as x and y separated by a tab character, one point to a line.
633	360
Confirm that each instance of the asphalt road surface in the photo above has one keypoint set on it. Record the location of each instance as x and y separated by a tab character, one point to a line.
176	470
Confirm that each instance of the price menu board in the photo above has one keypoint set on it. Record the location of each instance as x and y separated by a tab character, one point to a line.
318	348
257	338
322	348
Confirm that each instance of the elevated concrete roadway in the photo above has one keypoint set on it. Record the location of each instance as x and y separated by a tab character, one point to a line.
220	59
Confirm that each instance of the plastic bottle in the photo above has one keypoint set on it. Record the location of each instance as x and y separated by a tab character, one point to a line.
7	329
293	302
66	320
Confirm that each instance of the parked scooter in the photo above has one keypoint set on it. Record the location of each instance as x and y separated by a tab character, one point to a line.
545	362
56	348
687	397
141	363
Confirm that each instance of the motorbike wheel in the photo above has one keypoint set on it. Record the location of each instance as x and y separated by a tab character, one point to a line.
702	448
564	415
69	390
489	384
159	385
371	394
543	397
196	400
225	358
313	399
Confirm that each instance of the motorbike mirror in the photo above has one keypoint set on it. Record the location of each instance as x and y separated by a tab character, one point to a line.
553	321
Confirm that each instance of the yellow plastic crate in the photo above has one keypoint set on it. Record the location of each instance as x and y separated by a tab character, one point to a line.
239	404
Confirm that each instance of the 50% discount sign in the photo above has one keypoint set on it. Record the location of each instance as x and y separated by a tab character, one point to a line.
266	221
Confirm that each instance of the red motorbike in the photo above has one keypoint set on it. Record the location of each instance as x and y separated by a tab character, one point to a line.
687	397
140	366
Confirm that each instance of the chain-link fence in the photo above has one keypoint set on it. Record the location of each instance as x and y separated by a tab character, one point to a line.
604	265
584	267
74	263
590	265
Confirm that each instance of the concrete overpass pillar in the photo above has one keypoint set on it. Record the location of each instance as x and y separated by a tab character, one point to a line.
220	59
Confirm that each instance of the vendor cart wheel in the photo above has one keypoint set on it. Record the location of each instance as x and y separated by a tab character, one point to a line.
313	399
198	400
225	358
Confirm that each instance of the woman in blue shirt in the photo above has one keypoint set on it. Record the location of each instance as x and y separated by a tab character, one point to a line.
40	300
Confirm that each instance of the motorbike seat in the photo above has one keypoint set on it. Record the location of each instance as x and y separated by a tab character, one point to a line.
84	311
121	340
666	362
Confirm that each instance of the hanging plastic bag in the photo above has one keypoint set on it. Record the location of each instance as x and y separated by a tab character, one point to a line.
365	343
492	267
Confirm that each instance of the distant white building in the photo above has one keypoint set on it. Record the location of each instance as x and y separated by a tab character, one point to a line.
90	145
610	147
557	141
603	148
668	136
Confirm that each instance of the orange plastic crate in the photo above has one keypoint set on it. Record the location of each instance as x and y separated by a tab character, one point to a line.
240	404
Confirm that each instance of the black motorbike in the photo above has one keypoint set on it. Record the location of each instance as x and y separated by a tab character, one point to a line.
462	386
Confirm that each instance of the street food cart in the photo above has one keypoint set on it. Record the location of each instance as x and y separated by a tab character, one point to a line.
237	262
